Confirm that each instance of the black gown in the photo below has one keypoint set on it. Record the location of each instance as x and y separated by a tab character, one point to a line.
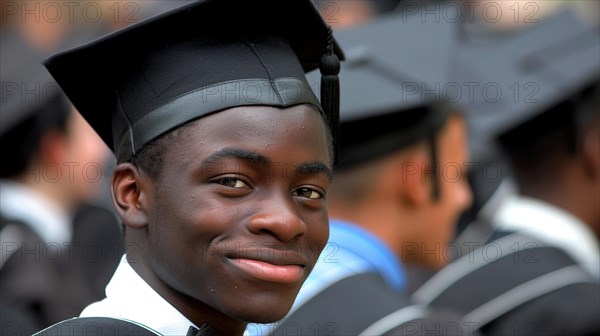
364	304
536	290
44	283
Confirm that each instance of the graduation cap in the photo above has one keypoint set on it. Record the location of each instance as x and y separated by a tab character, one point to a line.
144	80
31	103
27	88
391	84
519	77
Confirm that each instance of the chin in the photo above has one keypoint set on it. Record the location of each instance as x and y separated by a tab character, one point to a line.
266	309
261	318
264	315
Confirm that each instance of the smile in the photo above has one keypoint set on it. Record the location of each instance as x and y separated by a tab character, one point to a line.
269	272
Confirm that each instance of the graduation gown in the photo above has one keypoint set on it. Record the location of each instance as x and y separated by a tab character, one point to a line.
364	304
516	284
52	266
36	286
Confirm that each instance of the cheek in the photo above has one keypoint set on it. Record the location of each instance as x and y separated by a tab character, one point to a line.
455	194
193	220
184	236
446	212
443	226
318	234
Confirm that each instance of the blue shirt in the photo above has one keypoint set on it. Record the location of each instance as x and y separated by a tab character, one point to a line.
350	250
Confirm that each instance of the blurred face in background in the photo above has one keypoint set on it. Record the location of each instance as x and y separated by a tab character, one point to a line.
87	154
345	13
437	226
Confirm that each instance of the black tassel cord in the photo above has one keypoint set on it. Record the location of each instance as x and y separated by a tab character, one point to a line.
330	92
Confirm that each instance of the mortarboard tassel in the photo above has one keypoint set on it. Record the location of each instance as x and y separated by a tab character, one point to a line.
330	92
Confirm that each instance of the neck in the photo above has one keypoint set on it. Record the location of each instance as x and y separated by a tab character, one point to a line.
375	216
194	310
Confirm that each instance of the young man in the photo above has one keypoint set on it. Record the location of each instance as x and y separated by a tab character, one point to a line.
537	273
224	161
387	205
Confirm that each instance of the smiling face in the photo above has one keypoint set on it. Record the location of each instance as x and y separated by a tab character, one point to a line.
238	217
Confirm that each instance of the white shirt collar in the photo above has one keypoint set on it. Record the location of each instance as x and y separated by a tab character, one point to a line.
552	226
129	297
46	218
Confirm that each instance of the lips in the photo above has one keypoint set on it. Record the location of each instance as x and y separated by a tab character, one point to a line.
280	267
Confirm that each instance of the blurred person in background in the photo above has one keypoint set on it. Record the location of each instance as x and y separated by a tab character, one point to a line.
535	269
388	205
59	244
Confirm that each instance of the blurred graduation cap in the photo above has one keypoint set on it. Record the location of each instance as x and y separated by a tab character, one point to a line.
31	103
27	88
524	75
142	81
391	84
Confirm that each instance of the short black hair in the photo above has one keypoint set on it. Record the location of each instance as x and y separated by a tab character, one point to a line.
150	158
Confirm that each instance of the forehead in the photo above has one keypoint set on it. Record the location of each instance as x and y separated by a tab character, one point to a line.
264	129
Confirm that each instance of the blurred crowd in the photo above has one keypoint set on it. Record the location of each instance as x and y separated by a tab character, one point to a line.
61	241
469	176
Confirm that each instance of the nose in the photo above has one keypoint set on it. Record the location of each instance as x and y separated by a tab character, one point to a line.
278	217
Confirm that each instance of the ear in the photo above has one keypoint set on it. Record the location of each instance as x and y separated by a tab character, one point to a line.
130	191
412	179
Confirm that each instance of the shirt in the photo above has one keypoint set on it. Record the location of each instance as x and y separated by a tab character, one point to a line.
129	297
44	216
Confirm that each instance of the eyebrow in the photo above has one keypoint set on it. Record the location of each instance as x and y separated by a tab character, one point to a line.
236	153
304	168
314	168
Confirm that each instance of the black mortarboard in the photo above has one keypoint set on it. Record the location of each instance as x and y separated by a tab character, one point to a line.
142	81
393	76
520	76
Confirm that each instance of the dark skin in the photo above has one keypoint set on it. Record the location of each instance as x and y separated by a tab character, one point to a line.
235	223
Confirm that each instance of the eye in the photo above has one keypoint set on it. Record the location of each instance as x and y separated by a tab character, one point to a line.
232	182
307	193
